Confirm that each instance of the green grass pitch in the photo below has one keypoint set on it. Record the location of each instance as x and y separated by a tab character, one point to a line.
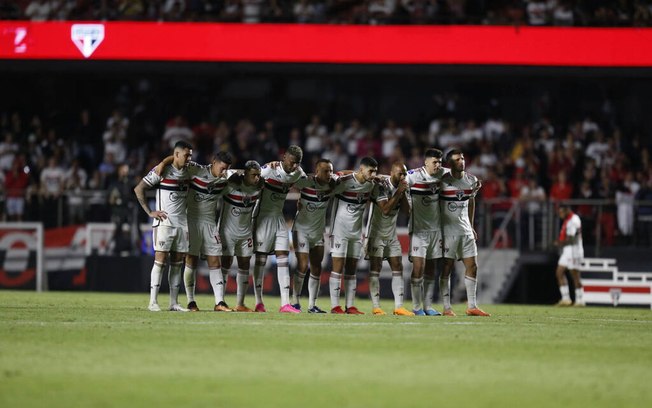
107	350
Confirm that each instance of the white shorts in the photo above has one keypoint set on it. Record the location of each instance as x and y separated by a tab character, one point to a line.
204	239
242	247
375	247
428	245
304	242
345	247
571	257
170	239
271	235
15	205
460	247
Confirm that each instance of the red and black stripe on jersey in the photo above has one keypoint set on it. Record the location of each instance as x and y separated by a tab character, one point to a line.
456	195
276	186
425	189
310	194
241	201
173	185
201	186
353	197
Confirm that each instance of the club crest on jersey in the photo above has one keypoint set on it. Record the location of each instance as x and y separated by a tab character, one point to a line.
459	194
87	37
320	195
434	188
360	197
246	200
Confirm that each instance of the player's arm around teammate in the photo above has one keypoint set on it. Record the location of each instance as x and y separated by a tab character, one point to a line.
458	213
351	199
236	227
170	224
308	231
388	197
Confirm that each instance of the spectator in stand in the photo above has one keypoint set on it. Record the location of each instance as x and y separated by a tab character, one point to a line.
561	189
52	187
607	220
369	146
8	150
587	212
177	130
231	11
538	12
38	10
598	148
114	144
16	182
315	138
75	182
335	153
563	14
391	135
516	183
625	194
532	196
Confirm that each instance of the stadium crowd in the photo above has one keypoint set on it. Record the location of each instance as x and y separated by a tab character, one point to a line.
625	13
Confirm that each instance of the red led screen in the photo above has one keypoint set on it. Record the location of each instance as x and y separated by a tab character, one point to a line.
295	43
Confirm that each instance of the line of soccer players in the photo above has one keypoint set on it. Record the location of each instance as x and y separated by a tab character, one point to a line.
440	201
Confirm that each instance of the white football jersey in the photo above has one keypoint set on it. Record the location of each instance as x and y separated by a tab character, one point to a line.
171	194
277	186
205	191
312	205
349	203
237	206
378	224
454	196
573	228
424	197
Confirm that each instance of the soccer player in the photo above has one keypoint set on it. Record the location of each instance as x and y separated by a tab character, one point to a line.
271	233
425	230
308	231
206	186
236	228
458	210
387	197
570	240
170	225
352	195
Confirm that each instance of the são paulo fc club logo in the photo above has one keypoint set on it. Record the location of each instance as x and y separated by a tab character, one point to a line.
87	37
459	194
246	200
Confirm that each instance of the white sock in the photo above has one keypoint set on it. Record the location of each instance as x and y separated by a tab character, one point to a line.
579	296
471	288
283	275
350	283
216	277
313	290
335	286
189	276
242	281
155	282
397	288
429	289
259	271
174	279
374	288
445	291
417	293
298	285
565	292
